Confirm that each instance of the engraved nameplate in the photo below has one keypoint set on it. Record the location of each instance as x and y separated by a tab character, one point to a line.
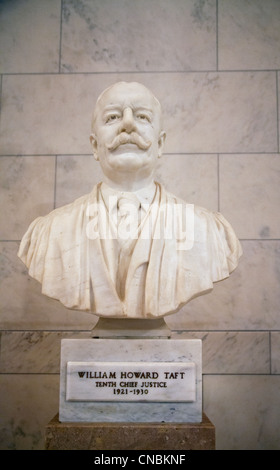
133	381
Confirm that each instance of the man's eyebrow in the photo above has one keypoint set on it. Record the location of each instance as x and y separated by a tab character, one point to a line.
146	111
109	107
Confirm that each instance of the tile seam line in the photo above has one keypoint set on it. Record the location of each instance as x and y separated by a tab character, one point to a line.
242	374
218	183
277	110
241	239
29	330
220	154
270	353
60	38
29	373
1	87
135	72
75	331
77	154
225	331
217	35
55	182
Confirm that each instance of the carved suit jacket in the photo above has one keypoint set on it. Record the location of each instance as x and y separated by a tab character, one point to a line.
179	252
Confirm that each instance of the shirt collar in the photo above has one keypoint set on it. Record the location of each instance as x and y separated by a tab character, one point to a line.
145	195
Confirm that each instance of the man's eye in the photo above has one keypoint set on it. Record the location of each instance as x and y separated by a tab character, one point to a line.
112	117
143	117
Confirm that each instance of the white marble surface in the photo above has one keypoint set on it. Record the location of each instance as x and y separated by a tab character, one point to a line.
35	399
233	352
29	36
209	241
275	352
24	307
76	175
253	182
249	34
126	352
20	179
245	410
194	178
257	305
130	36
33	352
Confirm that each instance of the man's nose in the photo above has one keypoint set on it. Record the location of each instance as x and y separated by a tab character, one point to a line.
128	123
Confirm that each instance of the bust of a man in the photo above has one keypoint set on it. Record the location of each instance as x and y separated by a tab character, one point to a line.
129	249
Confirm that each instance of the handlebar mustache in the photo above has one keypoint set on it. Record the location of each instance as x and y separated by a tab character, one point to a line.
132	138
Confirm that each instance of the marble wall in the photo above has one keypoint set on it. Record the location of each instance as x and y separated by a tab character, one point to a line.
215	66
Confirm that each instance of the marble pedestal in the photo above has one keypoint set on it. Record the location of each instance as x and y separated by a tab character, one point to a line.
131	380
130	436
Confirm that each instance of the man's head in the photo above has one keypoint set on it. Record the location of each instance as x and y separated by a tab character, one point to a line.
127	136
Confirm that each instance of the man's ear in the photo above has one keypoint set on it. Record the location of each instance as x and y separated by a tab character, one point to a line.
161	141
93	142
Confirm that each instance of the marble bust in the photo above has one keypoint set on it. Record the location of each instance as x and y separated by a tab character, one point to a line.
129	248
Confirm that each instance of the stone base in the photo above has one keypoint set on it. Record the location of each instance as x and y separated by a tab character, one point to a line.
130	436
172	397
131	328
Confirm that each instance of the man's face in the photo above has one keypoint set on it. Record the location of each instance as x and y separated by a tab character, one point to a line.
127	130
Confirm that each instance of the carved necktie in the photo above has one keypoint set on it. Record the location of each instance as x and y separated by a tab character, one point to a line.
128	222
128	218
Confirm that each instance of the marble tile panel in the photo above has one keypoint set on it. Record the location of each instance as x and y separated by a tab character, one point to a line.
249	34
24	307
206	113
248	300
275	352
28	403
193	178
203	112
250	194
245	411
75	176
120	35
33	352
29	36
27	191
233	352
